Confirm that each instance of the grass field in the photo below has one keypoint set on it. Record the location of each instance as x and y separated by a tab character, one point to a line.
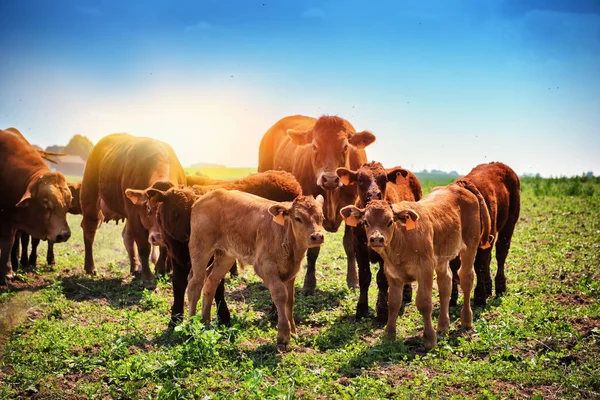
66	335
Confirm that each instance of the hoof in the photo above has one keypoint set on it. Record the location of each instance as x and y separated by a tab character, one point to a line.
308	291
430	344
352	283
479	301
284	348
91	272
382	314
362	311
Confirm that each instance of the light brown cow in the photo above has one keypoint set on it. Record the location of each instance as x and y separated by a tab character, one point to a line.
312	149
118	162
417	238
32	198
271	236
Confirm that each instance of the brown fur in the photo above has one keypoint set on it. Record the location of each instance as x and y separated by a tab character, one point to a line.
311	149
118	162
34	199
376	183
448	225
220	221
500	189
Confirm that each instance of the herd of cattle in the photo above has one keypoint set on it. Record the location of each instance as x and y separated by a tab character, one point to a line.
312	174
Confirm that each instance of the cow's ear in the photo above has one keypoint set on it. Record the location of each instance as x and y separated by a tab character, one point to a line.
279	212
406	218
25	200
347	176
352	215
319	199
159	195
300	138
137	197
362	139
394	174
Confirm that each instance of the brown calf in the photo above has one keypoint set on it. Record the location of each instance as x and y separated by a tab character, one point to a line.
33	199
500	187
311	149
118	162
376	183
417	238
275	245
169	208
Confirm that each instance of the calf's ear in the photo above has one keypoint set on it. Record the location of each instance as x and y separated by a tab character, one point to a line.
25	200
362	139
394	174
279	212
300	138
137	197
347	176
406	218
319	199
352	215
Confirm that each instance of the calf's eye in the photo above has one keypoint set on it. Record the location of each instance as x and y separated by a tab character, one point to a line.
389	224
298	220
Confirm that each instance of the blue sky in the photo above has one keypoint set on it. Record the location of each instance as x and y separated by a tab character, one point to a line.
442	84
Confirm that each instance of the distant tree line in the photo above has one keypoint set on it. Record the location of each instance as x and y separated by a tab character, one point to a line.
79	145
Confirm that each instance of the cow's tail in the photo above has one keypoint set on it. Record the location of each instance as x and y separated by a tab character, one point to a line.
484	214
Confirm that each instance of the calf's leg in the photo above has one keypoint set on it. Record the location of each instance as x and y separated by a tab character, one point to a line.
279	294
221	265
351	274
423	303
310	279
444	281
364	272
289	306
382	296
180	277
200	254
466	274
454	266
394	304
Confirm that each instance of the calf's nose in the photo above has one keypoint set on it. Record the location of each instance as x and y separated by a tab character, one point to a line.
317	237
376	240
63	236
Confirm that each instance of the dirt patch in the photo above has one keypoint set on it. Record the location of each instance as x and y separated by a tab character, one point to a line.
572	299
586	325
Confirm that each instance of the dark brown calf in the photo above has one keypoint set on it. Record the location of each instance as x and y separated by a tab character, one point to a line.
376	183
500	187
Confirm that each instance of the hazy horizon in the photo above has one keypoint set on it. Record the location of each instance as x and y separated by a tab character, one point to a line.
443	85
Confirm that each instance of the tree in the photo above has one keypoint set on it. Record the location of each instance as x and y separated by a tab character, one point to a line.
80	146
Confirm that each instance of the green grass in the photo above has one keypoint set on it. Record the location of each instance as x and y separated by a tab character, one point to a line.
74	336
221	172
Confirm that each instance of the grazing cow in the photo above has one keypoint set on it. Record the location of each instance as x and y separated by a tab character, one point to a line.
311	149
170	210
281	234
22	238
417	238
376	183
34	199
500	187
118	162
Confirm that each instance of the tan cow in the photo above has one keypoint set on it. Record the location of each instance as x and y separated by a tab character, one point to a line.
271	236
417	238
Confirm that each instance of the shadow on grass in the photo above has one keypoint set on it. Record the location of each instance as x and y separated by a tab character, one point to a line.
115	291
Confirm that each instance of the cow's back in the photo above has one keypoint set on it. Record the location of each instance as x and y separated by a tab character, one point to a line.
499	185
20	162
406	189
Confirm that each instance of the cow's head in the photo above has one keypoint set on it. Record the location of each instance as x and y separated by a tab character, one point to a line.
75	189
43	208
305	217
331	141
169	209
380	219
371	180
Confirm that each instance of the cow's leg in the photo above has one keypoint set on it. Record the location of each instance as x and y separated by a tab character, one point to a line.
15	250
394	304
279	294
50	260
444	282
482	271
161	264
180	281
234	270
364	272
351	274
129	242
502	248
25	251
466	274
89	225
454	266
200	254
221	265
423	303
140	235
310	280
382	296
6	244
289	306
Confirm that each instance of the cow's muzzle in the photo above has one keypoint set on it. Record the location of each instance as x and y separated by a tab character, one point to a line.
316	239
64	235
329	181
376	240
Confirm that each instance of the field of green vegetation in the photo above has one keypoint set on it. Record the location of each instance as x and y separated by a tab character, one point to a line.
67	335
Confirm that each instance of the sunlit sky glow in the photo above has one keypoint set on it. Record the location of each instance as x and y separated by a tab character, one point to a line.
442	84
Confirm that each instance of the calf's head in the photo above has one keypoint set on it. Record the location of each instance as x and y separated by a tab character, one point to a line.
305	217
331	142
75	189
381	220
42	211
371	180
